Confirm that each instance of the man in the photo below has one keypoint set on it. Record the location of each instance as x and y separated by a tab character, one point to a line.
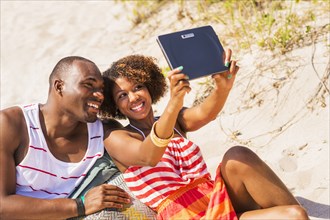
47	149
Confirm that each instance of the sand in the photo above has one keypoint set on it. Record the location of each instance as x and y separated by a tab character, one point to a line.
278	106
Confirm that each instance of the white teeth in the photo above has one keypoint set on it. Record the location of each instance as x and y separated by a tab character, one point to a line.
93	105
138	107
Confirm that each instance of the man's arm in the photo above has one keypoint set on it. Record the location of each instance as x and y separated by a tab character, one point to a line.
111	124
15	206
12	206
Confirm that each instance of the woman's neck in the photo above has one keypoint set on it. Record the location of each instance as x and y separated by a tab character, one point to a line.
144	124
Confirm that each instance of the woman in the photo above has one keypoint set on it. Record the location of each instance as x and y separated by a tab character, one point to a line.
165	170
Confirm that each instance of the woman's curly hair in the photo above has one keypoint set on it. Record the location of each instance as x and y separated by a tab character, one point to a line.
136	69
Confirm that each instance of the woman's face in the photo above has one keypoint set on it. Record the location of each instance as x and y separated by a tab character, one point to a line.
132	99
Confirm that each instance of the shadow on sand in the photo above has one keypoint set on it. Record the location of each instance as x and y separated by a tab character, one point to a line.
315	209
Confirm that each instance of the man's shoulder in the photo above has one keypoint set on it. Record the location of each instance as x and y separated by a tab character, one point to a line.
11	115
13	128
111	124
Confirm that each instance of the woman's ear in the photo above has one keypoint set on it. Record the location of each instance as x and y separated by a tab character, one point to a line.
58	86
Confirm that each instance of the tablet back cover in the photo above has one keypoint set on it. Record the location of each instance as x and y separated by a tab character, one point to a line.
198	50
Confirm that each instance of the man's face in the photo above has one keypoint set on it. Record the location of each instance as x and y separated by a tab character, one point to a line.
82	93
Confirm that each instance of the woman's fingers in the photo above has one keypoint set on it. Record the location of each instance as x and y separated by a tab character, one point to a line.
174	71
234	68
227	57
184	86
175	79
179	82
230	73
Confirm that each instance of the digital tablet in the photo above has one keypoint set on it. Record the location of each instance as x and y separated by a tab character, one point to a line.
198	50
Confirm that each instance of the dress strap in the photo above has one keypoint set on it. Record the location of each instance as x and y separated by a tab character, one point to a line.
138	130
176	130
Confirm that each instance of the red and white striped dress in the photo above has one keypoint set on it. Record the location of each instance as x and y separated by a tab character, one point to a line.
179	186
180	165
40	174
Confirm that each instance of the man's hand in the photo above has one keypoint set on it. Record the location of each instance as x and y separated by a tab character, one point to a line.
105	196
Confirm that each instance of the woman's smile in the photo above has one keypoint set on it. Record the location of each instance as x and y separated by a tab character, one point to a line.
138	108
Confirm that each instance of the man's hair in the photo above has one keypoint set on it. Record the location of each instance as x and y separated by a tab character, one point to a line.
64	65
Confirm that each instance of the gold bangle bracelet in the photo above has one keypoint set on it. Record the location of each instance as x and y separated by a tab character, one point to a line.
159	142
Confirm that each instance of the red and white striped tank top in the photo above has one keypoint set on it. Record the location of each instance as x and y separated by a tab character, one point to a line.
180	165
40	174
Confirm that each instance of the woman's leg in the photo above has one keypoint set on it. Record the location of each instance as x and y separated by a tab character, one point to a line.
288	212
255	190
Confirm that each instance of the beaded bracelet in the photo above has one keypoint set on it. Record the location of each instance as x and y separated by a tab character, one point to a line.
80	206
159	142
